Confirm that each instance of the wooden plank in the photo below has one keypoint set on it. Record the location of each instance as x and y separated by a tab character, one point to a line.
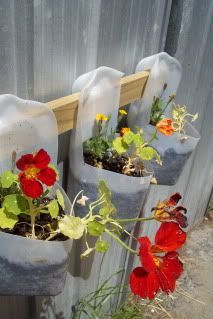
65	108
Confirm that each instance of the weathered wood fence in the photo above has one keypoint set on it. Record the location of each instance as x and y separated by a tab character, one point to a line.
46	44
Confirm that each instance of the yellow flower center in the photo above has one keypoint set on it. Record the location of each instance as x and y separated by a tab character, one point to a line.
31	172
157	261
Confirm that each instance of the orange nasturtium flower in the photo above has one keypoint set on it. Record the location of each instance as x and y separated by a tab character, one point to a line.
124	130
101	117
165	127
123	112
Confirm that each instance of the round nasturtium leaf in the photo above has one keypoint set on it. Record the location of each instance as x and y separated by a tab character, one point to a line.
128	137
16	204
60	198
71	227
119	145
95	228
147	153
7	220
7	179
53	208
101	246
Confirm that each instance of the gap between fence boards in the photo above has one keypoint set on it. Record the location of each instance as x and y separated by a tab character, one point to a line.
65	108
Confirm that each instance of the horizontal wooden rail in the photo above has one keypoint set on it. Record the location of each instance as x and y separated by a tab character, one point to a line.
65	108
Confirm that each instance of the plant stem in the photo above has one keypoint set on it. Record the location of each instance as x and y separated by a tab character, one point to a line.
164	109
32	216
129	220
120	241
73	204
52	235
154	137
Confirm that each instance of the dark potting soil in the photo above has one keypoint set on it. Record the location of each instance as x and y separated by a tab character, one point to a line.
115	163
44	224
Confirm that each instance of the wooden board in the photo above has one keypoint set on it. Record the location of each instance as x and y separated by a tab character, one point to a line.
65	108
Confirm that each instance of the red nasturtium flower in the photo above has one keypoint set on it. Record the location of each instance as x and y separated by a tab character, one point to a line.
166	211
161	266
165	127
35	171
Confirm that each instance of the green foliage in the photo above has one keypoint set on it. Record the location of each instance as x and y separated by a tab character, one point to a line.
146	153
16	204
156	111
108	208
7	219
60	198
159	107
53	208
128	137
7	179
101	246
93	306
95	228
134	144
71	227
97	146
179	115
119	145
128	311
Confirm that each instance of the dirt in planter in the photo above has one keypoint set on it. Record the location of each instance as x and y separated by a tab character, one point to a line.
115	163
44	224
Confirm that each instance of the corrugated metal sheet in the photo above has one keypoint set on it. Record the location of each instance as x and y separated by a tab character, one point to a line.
46	44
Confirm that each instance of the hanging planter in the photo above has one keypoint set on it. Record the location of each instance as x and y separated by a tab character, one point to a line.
174	151
34	267
92	156
30	263
174	137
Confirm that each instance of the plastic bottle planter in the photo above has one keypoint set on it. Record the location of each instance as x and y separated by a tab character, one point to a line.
33	267
174	150
100	93
128	193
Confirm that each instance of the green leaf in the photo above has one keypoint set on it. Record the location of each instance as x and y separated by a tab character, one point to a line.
7	179
138	139
147	153
60	198
53	208
97	145
108	207
101	246
119	145
104	211
71	227
104	190
95	228
7	219
15	204
128	137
